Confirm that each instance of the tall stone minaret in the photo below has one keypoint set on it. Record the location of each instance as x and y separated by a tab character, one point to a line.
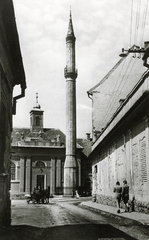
70	72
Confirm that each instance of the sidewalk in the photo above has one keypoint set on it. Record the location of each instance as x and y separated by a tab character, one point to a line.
87	203
140	217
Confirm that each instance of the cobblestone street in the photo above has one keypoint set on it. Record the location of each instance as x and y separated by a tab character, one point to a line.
68	220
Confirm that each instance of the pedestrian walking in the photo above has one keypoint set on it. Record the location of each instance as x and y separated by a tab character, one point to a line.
77	194
118	192
125	195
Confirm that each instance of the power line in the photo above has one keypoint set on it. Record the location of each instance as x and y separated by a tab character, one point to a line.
137	21
144	22
131	21
115	87
120	87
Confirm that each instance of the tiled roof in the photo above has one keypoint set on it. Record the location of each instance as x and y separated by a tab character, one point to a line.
115	86
86	145
49	137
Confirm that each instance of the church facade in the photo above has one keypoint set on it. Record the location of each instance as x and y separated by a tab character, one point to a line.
38	156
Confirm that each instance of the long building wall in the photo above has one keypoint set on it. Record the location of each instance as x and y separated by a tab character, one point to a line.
126	158
5	132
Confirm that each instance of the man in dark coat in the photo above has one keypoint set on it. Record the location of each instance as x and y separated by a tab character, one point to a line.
125	195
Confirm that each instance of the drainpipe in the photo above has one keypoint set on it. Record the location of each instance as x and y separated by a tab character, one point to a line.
16	98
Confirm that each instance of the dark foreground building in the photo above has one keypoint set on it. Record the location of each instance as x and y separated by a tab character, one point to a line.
11	74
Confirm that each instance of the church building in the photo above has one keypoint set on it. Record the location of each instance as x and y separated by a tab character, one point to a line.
38	156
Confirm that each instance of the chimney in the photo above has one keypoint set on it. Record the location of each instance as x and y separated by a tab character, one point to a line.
146	45
88	136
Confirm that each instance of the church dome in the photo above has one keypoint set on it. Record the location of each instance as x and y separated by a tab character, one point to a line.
37	105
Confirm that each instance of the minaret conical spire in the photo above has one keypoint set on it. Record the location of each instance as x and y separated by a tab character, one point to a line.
70	27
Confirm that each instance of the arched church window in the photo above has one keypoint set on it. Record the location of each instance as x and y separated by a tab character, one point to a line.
13	171
37	121
40	164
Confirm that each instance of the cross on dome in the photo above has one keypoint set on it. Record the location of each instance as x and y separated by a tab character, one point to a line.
37	104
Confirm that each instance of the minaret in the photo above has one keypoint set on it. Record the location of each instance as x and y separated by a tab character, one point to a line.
70	72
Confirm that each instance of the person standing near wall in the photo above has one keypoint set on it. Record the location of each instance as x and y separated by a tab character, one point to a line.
118	192
125	195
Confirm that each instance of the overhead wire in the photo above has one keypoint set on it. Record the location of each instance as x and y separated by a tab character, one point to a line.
137	21
123	81
121	84
119	87
131	21
144	22
115	87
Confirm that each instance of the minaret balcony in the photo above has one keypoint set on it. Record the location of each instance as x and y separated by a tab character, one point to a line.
70	72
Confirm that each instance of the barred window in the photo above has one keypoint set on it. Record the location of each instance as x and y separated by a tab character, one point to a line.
13	171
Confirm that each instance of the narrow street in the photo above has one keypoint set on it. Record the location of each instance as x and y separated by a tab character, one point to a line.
68	220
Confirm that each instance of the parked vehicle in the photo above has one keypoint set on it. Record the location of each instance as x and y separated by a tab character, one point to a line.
39	196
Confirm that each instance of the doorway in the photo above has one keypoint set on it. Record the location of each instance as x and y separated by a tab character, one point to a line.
40	181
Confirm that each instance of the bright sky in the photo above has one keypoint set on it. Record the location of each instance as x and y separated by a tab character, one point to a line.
102	28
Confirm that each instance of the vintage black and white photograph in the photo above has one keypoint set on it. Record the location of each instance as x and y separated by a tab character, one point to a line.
74	120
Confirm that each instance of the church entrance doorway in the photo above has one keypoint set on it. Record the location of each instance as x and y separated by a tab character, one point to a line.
40	181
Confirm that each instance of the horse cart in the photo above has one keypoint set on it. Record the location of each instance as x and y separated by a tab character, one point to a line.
39	196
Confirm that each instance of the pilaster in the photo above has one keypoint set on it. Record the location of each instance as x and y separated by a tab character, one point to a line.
52	186
58	173
22	175
79	171
28	176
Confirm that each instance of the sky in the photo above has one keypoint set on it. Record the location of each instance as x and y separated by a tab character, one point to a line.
102	28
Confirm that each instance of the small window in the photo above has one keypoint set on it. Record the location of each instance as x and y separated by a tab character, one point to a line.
13	171
95	169
37	121
40	164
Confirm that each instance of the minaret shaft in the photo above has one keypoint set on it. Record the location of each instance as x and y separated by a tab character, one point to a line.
70	167
71	120
70	56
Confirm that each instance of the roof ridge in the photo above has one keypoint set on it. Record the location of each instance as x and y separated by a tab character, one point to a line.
106	76
111	71
142	79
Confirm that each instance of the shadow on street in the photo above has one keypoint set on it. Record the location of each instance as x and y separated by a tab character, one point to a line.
67	232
